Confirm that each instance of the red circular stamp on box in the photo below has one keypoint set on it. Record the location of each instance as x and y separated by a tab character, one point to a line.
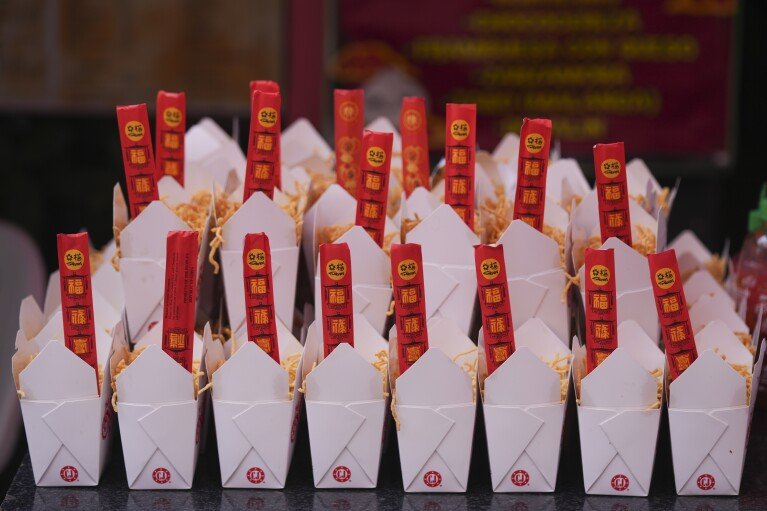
69	473
432	479
161	475
706	482
620	482
342	474
520	478
255	475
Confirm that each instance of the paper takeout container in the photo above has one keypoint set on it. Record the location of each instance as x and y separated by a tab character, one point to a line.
160	416
710	408
256	410
524	411
346	403
435	407
67	417
619	414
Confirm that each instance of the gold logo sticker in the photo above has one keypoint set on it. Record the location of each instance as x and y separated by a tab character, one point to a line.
611	168
172	116
407	269
600	274
460	129
412	119
348	110
267	117
490	268
256	259
376	156
665	278
134	130
73	259
335	269
534	142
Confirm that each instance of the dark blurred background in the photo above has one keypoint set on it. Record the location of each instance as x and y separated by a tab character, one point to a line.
680	81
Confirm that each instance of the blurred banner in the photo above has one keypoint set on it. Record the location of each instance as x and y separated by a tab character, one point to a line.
653	73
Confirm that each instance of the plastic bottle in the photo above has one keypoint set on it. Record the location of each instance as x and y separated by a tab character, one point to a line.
752	263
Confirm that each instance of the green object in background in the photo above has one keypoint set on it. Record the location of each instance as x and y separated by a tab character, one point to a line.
758	217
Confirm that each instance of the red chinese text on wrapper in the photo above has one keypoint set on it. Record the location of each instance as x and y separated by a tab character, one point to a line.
534	144
259	294
612	192
170	128
600	307
271	86
460	143
180	297
138	156
77	297
336	295
263	144
373	188
495	305
409	304
676	329
349	116
415	144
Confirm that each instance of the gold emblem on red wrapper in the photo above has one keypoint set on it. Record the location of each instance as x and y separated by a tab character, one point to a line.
495	305
373	191
600	306
259	295
171	129
409	304
612	192
138	157
670	303
263	166
77	298
460	142
530	200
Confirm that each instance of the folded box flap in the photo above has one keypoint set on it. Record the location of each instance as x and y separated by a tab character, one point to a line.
507	448
701	283
52	300
77	424
528	251
344	376
171	192
633	434
690	251
455	448
266	426
335	207
566	171
439	286
527	296
56	373
708	308
447	336
52	329
420	204
422	430
31	317
370	263
144	237
335	424
631	268
523	379
259	214
540	339
107	281
154	377
507	149
717	336
444	238
644	350
708	383
434	380
619	382
638	175
172	429
693	435
364	445
250	375
144	284
300	141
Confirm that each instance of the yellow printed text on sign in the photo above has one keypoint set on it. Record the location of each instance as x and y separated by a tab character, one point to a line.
73	259
267	117
600	274
611	168
407	269
534	142
335	269
460	129
665	278
376	156
490	268
256	259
